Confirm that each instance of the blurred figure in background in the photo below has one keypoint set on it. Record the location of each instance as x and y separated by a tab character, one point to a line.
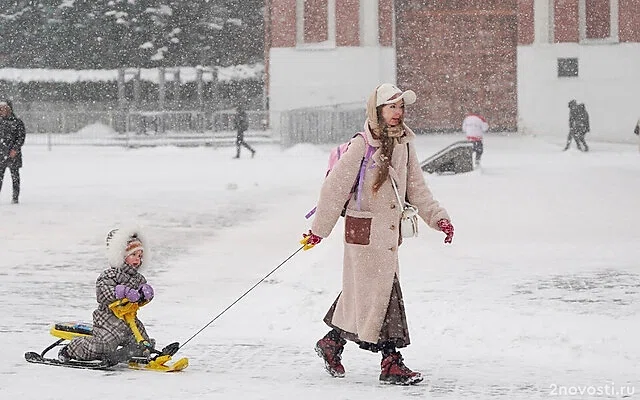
637	129
12	135
578	125
241	123
474	127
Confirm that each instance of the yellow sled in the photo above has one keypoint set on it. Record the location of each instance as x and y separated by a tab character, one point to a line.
125	310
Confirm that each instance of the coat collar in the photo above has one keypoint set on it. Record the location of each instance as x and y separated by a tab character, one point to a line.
407	137
128	269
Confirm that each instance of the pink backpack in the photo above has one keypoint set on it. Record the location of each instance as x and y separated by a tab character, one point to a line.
335	155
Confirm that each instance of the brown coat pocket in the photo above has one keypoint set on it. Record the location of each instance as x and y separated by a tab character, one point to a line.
357	230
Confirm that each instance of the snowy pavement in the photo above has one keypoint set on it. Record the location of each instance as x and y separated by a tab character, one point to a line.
538	297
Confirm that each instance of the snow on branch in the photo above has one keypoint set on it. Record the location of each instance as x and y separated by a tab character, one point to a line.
187	74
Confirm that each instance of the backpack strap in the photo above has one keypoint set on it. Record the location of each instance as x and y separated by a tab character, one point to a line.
360	177
363	167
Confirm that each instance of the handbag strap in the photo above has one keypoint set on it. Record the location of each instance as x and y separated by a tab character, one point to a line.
395	189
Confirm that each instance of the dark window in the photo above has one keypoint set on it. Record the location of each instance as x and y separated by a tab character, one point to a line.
567	67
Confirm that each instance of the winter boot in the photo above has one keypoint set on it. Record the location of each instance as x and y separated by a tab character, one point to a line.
126	353
394	371
63	355
329	348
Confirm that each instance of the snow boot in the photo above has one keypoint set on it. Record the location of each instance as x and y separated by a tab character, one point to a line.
393	371
126	353
63	355
329	348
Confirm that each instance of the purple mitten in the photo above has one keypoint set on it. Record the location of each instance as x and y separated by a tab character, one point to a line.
123	291
146	291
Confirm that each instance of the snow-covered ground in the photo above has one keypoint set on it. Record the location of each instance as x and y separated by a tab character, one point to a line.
538	297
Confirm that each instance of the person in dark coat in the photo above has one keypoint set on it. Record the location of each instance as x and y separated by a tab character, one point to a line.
241	123
12	135
578	125
636	130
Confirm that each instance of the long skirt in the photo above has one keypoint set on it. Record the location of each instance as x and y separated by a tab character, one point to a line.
394	330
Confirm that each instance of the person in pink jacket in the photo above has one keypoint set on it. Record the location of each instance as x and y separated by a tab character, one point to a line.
370	311
474	127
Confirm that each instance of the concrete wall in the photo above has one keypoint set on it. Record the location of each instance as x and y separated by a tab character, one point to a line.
301	78
608	84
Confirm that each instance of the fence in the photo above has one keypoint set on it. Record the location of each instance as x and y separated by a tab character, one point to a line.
138	121
321	125
133	128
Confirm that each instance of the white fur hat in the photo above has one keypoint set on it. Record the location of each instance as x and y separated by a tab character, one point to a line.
123	241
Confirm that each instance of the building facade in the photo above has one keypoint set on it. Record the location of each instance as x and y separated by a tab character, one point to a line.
459	57
518	62
326	52
588	50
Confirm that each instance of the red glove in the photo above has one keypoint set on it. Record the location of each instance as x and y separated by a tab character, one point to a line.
309	240
446	227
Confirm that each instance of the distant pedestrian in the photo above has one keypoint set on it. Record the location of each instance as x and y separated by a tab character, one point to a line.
637	129
241	123
474	127
12	136
578	125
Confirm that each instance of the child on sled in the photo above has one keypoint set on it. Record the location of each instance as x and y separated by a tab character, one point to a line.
113	339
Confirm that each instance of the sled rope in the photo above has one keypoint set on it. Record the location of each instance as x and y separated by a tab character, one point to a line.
240	298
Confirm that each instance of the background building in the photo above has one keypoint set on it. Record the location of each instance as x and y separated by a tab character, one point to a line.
518	62
583	49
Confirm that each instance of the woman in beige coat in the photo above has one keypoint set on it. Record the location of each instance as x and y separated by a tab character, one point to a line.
370	311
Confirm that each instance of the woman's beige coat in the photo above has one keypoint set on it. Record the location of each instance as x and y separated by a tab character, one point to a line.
371	232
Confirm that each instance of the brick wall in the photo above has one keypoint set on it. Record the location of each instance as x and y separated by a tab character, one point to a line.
282	27
459	56
348	23
526	30
315	21
385	22
629	20
565	21
598	19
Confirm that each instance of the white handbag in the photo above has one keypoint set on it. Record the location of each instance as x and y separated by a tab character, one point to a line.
409	218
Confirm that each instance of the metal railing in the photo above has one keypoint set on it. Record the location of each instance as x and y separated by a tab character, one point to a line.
139	127
321	125
310	125
138	121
